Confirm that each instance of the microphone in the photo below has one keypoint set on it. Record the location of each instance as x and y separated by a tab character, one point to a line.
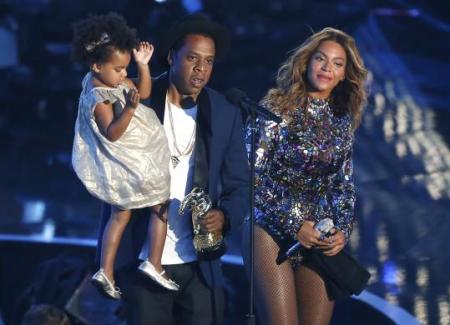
240	99
292	251
324	226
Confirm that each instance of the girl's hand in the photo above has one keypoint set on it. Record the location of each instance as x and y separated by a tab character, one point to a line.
308	236
336	242
131	98
143	53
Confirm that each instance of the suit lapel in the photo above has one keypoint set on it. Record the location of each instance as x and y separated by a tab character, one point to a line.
202	141
158	97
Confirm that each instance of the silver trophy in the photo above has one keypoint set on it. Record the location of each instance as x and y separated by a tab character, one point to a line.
199	202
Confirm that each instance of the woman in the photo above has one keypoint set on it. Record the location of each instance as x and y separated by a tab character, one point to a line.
304	174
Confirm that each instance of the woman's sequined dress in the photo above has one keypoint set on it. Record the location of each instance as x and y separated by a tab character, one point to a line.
304	171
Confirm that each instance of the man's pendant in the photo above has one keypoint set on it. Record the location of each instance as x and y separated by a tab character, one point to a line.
175	161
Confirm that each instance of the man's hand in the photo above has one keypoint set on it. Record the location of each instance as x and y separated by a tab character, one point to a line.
214	221
143	53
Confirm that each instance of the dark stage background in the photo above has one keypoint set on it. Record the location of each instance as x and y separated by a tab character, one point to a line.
402	156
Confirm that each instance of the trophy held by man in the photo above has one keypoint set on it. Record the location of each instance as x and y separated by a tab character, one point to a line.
208	245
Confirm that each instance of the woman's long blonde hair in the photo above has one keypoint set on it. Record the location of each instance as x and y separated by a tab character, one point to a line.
348	96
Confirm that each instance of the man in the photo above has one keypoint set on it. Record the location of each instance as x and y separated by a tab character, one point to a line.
205	135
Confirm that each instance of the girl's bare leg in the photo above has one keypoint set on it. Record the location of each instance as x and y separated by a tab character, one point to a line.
157	235
111	239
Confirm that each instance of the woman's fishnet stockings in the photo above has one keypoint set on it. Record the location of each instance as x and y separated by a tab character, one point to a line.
283	297
274	284
314	306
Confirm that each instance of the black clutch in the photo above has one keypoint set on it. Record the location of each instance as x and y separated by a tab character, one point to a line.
342	274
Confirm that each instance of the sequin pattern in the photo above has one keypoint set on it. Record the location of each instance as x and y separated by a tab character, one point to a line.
304	171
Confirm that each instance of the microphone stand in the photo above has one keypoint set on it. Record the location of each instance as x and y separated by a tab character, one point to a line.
253	113
251	314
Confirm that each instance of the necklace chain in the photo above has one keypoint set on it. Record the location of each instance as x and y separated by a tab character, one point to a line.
175	158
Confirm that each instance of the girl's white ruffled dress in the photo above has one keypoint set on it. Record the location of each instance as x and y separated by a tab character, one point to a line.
130	173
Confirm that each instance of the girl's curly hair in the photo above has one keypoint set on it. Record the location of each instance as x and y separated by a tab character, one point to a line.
87	46
349	96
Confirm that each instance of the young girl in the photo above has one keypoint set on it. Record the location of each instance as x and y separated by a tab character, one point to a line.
120	152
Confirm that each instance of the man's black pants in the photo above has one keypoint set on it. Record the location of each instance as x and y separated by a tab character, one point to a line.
148	303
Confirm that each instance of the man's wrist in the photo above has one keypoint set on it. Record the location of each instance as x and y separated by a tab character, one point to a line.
226	220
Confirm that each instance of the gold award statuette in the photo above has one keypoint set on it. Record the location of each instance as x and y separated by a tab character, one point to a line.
199	202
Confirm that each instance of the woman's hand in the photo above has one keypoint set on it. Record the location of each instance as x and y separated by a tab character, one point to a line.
143	53
335	243
308	236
